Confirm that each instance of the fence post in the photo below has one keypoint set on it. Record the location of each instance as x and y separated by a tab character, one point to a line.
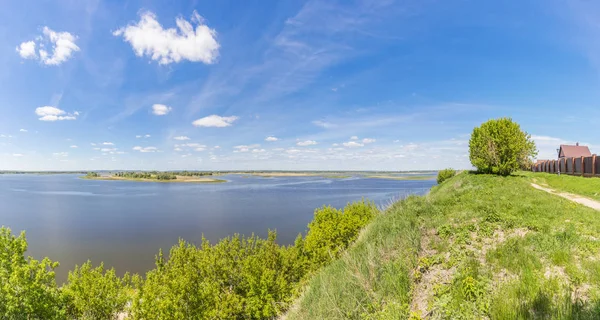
582	166
594	165
573	167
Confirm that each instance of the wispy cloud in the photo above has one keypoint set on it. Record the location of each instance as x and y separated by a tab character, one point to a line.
271	139
181	138
145	149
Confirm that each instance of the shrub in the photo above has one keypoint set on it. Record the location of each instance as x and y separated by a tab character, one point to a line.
27	286
332	230
445	175
93	293
499	146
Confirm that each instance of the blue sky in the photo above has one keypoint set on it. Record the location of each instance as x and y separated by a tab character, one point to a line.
215	85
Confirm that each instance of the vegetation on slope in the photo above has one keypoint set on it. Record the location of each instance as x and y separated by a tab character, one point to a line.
478	246
237	278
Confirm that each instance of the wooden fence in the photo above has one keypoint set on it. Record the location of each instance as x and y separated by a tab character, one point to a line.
581	166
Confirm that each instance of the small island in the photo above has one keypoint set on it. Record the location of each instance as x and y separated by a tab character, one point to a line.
155	176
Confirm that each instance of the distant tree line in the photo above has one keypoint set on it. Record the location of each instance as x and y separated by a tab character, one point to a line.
236	278
92	175
147	175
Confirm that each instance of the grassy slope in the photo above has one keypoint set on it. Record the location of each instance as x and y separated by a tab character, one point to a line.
589	187
477	247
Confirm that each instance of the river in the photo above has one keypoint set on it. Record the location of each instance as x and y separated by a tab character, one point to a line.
124	223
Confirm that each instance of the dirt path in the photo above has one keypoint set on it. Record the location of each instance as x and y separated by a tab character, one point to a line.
569	196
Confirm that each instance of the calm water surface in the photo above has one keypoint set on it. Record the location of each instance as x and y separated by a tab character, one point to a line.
124	223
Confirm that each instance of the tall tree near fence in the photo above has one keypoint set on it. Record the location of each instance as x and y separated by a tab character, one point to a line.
499	146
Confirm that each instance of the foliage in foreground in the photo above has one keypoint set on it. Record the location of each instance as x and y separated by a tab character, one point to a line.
499	146
236	278
445	174
27	286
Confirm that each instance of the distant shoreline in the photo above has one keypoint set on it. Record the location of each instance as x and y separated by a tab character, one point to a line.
180	179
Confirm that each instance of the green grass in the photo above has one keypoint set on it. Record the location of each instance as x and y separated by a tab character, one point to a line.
478	246
589	187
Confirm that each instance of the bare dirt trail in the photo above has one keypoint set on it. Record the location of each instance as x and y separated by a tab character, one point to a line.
569	196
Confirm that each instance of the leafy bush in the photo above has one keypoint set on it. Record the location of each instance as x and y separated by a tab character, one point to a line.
27	286
499	146
445	174
245	278
93	293
332	230
92	175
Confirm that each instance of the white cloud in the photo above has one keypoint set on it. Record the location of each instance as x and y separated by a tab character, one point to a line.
93	144
245	148
108	150
148	38
271	139
178	149
368	140
181	138
5	136
27	50
354	138
258	150
145	149
353	144
160	109
138	136
108	143
215	121
191	145
306	143
323	124
60	154
48	113
73	146
17	155
23	130
62	43
147	136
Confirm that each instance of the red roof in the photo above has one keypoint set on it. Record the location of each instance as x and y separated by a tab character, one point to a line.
567	151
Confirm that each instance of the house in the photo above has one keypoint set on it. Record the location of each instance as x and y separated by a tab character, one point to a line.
576	151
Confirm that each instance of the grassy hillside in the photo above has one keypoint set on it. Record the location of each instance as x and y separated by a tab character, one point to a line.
477	246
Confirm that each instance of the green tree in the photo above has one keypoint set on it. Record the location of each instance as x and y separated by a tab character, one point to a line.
27	286
332	230
445	174
93	293
499	146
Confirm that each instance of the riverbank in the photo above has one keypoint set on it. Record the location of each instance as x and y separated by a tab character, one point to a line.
478	246
179	179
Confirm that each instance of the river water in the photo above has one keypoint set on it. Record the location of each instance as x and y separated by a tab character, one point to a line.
124	223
